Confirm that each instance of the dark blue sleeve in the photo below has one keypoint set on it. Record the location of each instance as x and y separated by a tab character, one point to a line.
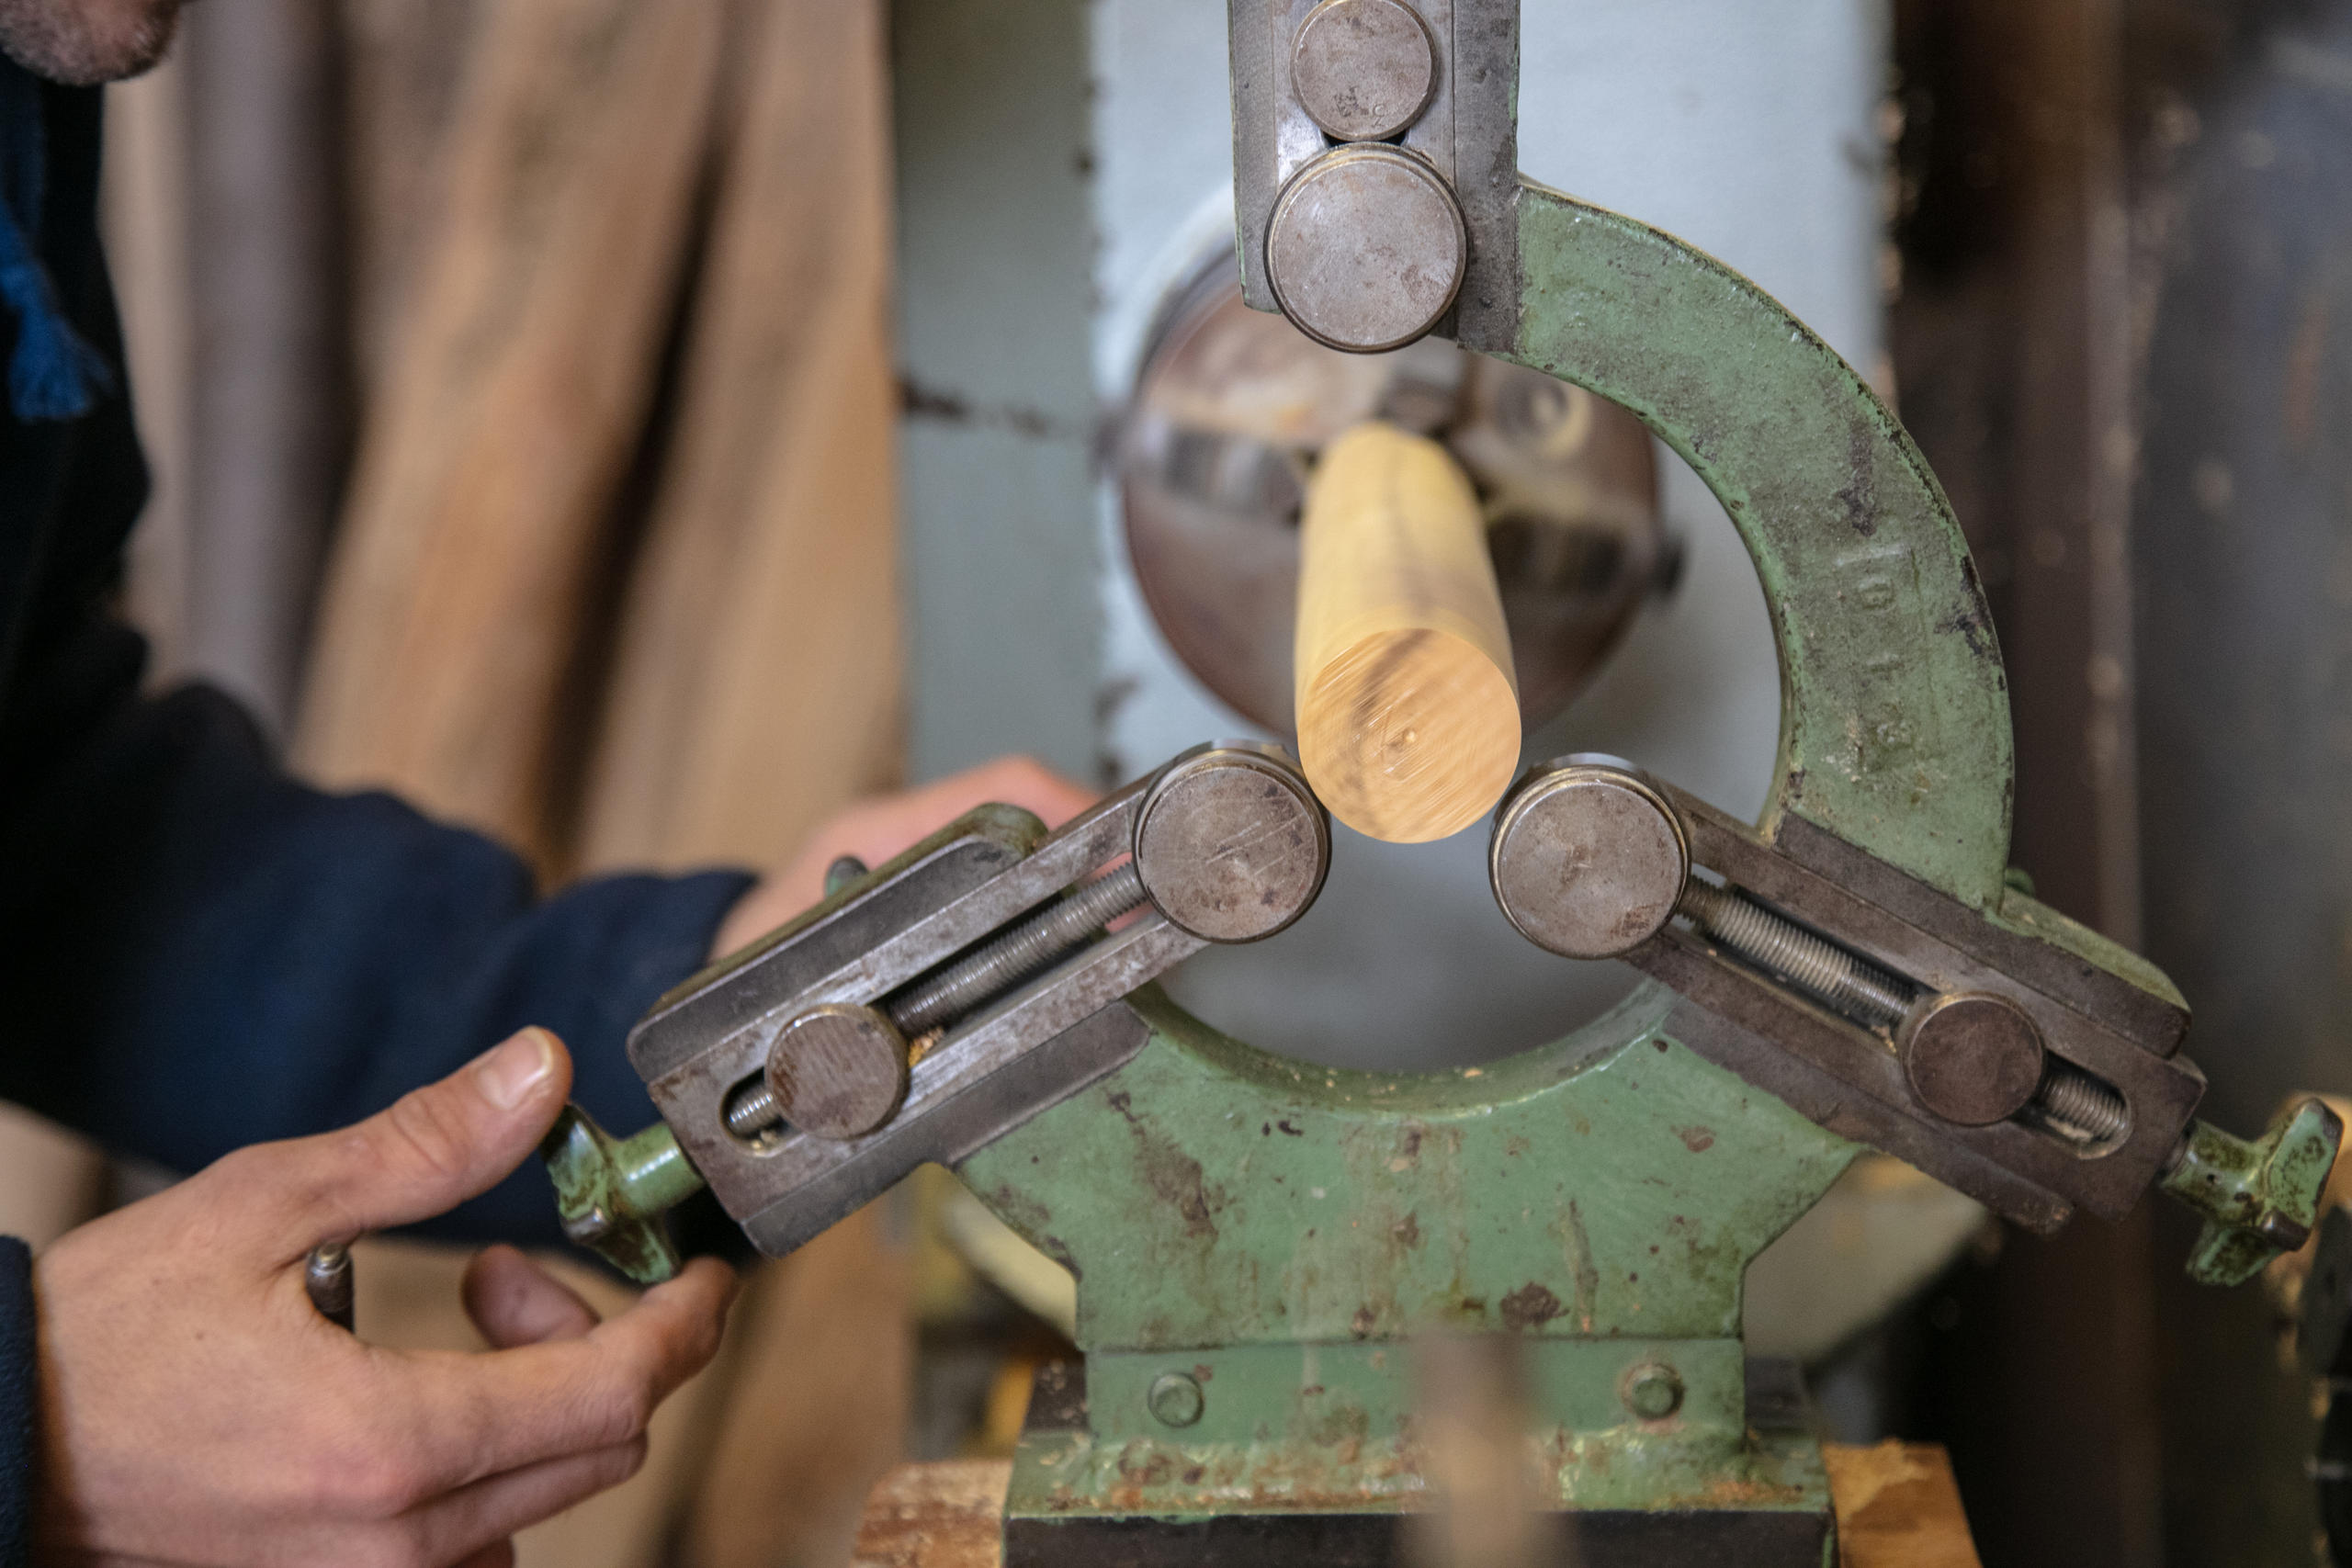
200	953
19	1403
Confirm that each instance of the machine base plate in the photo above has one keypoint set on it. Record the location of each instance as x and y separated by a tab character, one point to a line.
1047	1526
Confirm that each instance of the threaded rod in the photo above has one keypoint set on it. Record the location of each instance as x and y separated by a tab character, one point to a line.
1020	953
1853	987
2069	1095
755	1111
2090	1106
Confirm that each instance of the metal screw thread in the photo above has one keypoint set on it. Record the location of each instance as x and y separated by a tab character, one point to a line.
1020	953
1859	990
755	1111
1004	962
2090	1106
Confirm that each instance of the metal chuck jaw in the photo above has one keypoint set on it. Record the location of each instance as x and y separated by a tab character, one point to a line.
1962	1039
929	1006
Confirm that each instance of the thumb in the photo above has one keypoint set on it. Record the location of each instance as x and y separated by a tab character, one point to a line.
431	1150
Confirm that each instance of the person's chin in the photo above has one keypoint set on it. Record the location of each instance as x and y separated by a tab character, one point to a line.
82	42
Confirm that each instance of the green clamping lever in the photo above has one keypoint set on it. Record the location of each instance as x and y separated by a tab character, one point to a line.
2259	1199
615	1194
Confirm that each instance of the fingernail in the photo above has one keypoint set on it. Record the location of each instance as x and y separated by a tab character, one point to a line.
509	1073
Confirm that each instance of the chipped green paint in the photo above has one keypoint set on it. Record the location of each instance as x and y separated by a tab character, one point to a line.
2020	912
2259	1199
1061	1475
1210	1194
1895	720
1279	1234
615	1194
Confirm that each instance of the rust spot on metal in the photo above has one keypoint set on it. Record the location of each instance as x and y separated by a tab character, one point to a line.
1858	495
1362	1323
1698	1140
1145	1463
1973	619
1175	1177
1022	1212
1530	1306
1409	1230
1588	1271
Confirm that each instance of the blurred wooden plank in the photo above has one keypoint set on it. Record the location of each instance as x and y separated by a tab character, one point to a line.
2012	346
1897	1507
145	199
404	62
941	1514
269	436
818	1404
755	688
489	461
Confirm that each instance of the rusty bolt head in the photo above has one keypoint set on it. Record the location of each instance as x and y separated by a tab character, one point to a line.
1588	860
1175	1399
1653	1390
1972	1059
838	1072
1363	70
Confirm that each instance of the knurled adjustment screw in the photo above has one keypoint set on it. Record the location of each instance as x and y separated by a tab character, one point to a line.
1653	1392
1175	1399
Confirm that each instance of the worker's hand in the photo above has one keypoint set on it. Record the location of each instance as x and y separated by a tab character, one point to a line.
877	829
197	1408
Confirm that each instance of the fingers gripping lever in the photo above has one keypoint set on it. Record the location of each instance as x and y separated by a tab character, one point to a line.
927	1007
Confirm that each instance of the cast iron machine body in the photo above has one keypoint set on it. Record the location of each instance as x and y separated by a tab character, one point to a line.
1258	1243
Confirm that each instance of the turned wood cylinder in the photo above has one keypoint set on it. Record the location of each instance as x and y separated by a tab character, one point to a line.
1407	708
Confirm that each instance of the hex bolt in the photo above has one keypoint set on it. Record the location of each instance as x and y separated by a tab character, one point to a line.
1176	1400
1653	1391
1854	987
1031	946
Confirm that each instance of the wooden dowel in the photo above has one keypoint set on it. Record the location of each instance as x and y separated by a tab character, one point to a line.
1407	708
